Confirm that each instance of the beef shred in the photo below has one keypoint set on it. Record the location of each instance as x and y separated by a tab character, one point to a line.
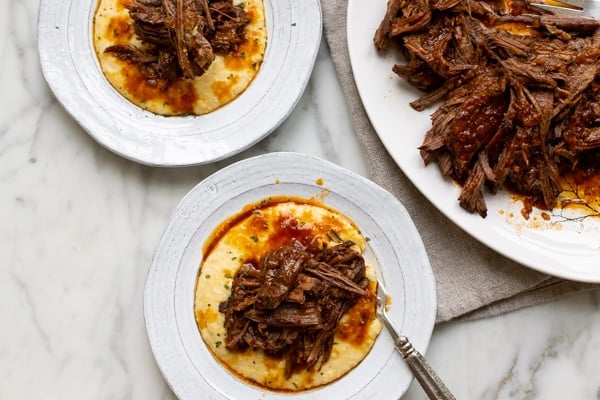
181	37
518	91
290	302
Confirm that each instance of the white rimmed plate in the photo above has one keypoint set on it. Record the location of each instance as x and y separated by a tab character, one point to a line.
73	72
562	245
395	249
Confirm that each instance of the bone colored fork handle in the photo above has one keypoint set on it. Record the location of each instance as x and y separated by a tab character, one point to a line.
430	382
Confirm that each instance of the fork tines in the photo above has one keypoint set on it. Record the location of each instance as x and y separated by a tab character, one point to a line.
571	7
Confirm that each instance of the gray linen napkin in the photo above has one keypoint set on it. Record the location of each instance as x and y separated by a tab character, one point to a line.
472	280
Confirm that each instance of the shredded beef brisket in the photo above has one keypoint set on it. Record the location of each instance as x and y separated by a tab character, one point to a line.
290	302
181	37
517	108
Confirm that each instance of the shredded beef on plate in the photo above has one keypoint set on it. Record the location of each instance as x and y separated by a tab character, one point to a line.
290	302
181	37
517	88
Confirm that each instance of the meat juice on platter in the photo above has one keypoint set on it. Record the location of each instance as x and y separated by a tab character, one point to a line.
177	57
283	298
518	97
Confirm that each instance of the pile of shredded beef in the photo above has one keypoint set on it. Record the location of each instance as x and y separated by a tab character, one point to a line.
181	37
518	110
289	303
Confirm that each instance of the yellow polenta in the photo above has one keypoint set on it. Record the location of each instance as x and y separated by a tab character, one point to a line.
248	236
228	76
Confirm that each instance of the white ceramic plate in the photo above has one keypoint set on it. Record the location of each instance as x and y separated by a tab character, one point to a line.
73	72
559	246
395	249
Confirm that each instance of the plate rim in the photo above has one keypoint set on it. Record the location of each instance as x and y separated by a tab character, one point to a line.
425	272
127	139
562	265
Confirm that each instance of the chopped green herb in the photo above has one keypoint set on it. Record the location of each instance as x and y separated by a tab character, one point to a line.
218	343
254	238
228	275
293	24
207	276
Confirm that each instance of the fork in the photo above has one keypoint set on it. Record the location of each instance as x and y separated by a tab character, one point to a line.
583	8
425	375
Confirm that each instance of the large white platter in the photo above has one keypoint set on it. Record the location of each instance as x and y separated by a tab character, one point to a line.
395	249
73	72
560	246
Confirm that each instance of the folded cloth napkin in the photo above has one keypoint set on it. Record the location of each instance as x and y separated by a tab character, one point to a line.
472	280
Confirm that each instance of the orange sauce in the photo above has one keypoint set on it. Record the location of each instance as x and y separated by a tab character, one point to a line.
355	328
527	207
205	317
581	191
180	94
286	229
123	3
120	29
223	89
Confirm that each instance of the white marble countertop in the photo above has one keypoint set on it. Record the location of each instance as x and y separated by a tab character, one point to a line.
80	224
